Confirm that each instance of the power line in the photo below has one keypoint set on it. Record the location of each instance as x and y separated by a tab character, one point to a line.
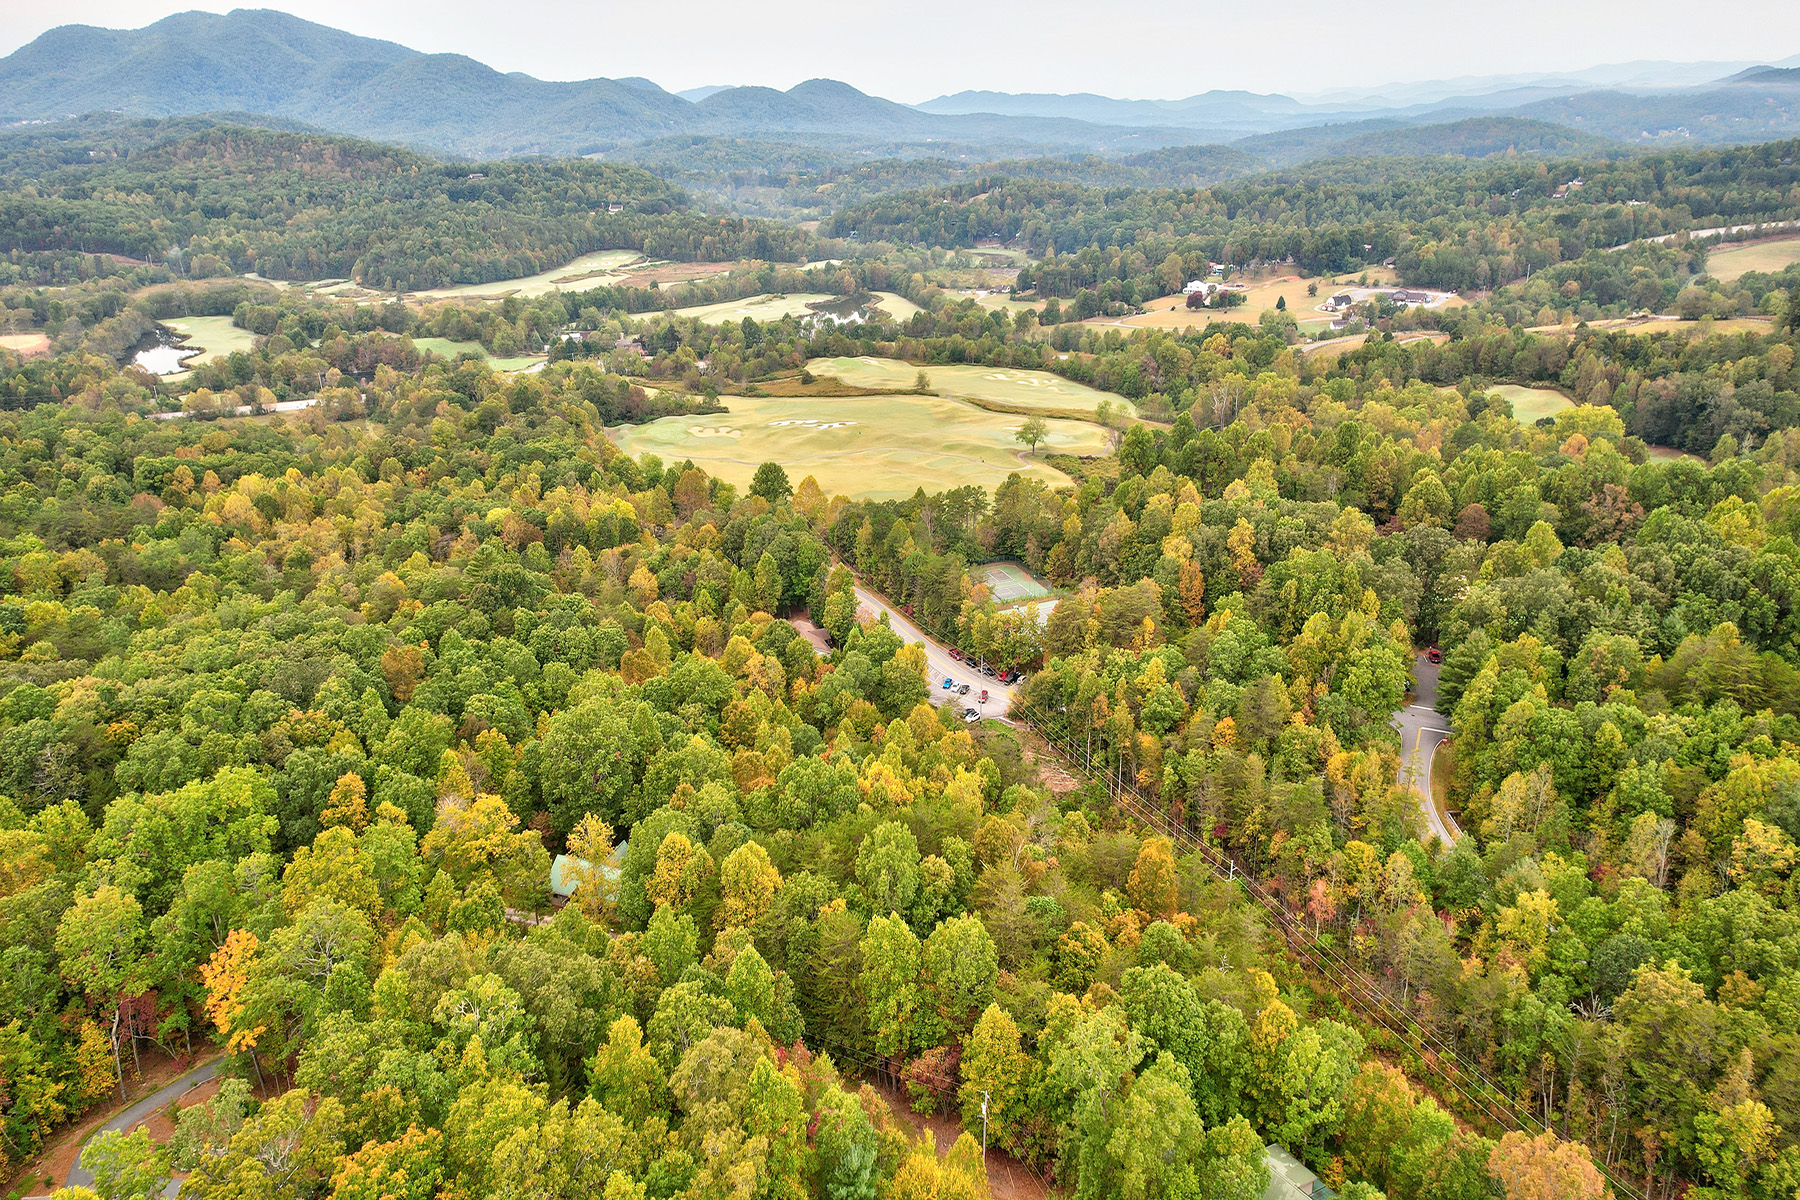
1476	1090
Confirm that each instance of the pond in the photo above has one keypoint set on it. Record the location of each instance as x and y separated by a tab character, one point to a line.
161	354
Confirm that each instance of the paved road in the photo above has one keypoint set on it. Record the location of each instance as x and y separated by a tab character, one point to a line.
128	1120
938	662
1421	730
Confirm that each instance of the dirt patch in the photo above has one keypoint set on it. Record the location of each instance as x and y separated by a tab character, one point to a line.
668	273
1048	765
1008	1178
28	345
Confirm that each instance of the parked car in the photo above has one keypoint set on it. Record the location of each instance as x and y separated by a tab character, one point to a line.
971	716
948	683
984	695
1008	676
956	654
989	671
1434	655
963	690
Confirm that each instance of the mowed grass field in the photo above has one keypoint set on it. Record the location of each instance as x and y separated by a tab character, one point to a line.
445	348
874	447
757	308
1729	264
587	271
217	336
896	305
1531	405
1001	385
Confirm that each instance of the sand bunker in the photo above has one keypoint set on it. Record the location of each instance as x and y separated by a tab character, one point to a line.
809	423
709	431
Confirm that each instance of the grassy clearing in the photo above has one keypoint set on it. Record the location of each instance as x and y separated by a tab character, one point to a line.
999	385
1670	454
217	336
445	348
587	271
1531	405
884	447
757	308
896	305
1731	264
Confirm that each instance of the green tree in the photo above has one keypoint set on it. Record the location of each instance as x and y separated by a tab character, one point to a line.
126	1166
771	483
994	1070
1033	431
890	984
961	968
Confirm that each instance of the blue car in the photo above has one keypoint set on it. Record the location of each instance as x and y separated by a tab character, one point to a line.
947	684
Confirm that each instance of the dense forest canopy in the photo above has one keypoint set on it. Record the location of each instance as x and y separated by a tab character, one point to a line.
296	206
298	708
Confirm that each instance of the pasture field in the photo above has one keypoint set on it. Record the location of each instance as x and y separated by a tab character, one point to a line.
877	447
602	266
1000	385
1172	312
1003	302
26	345
445	348
1340	344
896	305
1530	405
758	308
217	336
1729	264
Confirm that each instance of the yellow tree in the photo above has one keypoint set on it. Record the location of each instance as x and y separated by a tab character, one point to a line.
748	881
1543	1168
1153	886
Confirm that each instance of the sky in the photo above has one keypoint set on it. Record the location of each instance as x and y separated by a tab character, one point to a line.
912	50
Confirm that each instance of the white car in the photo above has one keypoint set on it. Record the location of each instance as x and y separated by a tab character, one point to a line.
971	716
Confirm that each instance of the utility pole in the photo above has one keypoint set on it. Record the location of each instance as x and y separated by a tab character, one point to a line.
984	1100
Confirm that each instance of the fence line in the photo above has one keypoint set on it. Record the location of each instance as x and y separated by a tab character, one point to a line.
1476	1090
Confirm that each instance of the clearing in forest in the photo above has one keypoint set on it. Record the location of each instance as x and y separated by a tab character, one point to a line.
216	337
758	308
445	348
1729	264
1531	405
590	270
999	385
874	447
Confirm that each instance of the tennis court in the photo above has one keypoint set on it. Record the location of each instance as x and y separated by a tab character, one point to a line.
1009	581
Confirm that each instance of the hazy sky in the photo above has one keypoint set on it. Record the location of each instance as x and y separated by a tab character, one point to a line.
911	50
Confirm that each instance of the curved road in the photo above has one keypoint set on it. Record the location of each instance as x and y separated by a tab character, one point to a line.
1422	730
938	662
137	1114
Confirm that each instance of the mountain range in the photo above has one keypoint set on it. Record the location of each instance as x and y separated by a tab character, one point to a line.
279	66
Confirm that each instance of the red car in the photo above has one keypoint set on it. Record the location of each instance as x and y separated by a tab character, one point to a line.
956	654
1434	655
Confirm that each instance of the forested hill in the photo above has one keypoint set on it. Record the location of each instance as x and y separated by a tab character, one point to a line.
1448	222
310	206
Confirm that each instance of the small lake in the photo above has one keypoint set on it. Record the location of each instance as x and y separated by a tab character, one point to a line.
160	354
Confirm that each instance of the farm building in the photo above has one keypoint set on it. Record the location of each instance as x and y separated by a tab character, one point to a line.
566	872
1410	296
1339	302
1289	1178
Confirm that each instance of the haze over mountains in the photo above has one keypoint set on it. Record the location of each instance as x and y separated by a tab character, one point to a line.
271	64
